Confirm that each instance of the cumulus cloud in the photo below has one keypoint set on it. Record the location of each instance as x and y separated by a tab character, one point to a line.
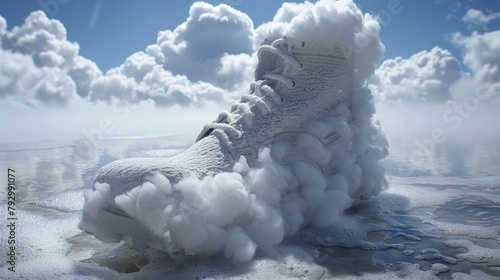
330	23
139	79
482	55
196	46
3	25
207	58
40	66
424	77
478	17
22	81
210	58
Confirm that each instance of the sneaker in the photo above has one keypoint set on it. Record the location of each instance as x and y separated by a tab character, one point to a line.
297	150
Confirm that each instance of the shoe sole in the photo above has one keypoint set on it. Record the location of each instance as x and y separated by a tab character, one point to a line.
113	227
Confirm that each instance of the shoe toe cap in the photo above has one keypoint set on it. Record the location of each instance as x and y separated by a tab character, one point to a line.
126	174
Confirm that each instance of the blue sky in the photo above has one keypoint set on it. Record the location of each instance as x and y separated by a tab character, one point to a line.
108	33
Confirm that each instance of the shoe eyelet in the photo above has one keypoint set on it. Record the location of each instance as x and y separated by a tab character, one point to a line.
303	44
293	84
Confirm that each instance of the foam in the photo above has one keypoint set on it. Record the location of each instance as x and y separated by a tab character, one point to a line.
438	268
476	254
41	241
404	271
283	262
434	254
69	201
45	236
474	274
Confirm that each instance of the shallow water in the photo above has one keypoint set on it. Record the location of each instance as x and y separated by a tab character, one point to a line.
443	210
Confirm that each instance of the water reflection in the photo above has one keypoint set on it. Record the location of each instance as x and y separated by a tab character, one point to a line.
44	172
465	159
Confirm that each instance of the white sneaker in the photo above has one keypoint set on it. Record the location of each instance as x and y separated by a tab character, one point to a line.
298	149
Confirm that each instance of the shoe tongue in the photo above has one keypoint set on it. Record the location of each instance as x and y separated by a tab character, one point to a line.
270	62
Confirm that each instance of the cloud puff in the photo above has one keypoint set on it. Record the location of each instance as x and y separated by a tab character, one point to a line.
40	66
330	23
481	54
130	85
196	46
424	77
3	26
477	17
22	81
207	58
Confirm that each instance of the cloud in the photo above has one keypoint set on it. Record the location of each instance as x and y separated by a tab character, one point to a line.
140	79
3	26
481	54
477	17
22	81
196	46
329	23
424	77
437	77
210	58
40	67
206	59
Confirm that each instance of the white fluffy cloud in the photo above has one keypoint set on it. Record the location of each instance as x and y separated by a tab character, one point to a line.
39	66
22	81
424	77
3	26
482	55
477	17
130	85
196	46
210	58
207	58
436	76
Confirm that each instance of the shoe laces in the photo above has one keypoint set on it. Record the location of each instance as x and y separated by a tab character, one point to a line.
227	120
